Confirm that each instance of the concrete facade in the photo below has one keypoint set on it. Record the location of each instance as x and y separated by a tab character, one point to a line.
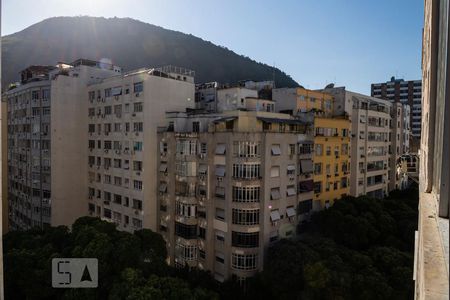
232	187
431	252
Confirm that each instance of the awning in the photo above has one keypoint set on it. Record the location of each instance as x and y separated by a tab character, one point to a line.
220	191
291	168
275	215
226	119
163	167
220	170
290	191
275	194
163	187
116	91
202	169
276	150
220	149
306	165
220	233
306	142
290	211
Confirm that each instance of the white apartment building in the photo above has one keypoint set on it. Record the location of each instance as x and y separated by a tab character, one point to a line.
123	113
231	184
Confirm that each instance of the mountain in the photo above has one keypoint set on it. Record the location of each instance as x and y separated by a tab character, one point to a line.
130	44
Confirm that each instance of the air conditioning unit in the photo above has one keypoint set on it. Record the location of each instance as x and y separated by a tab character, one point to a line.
106	150
133	115
137	133
201	155
103	99
116	97
201	177
138	173
137	94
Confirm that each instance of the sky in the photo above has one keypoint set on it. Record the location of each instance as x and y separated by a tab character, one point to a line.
351	43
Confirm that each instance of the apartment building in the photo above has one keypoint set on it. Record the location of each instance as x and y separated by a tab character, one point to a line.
431	257
44	112
217	97
230	184
123	114
331	140
406	92
331	159
377	141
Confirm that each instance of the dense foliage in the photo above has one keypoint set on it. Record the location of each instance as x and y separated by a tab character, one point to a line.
131	266
361	248
131	44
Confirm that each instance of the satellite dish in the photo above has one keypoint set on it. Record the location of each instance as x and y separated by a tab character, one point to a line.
329	86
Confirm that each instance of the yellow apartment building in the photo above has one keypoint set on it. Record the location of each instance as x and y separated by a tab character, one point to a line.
331	159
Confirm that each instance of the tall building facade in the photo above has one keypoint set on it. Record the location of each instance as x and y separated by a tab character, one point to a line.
331	141
231	184
123	114
431	249
406	92
377	141
331	159
44	111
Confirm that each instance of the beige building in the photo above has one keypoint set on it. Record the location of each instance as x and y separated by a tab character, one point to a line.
122	118
231	184
44	111
432	238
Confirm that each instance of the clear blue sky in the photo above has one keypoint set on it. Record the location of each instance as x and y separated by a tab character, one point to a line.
349	42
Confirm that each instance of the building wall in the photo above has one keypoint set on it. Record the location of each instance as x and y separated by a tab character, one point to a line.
211	197
4	167
135	188
333	185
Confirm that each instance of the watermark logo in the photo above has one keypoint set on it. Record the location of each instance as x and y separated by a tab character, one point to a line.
74	272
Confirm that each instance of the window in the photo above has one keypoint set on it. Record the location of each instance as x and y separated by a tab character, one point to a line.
220	192
220	258
137	146
195	126
290	170
107	145
246	149
117	163
138	87
319	149
108	110
305	149
107	213
275	171
186	252
244	261
203	148
137	223
246	194
220	214
137	107
244	239
116	91
117	199
34	95
275	215
137	165
318	168
186	147
202	233
117	180
291	149
328	150
317	187
290	190
275	194
246	171
186	231
344	149
138	126
276	150
107	92
220	171
220	149
245	216
137	184
184	168
137	204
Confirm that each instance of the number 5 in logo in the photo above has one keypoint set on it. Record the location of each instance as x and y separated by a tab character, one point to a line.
64	273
